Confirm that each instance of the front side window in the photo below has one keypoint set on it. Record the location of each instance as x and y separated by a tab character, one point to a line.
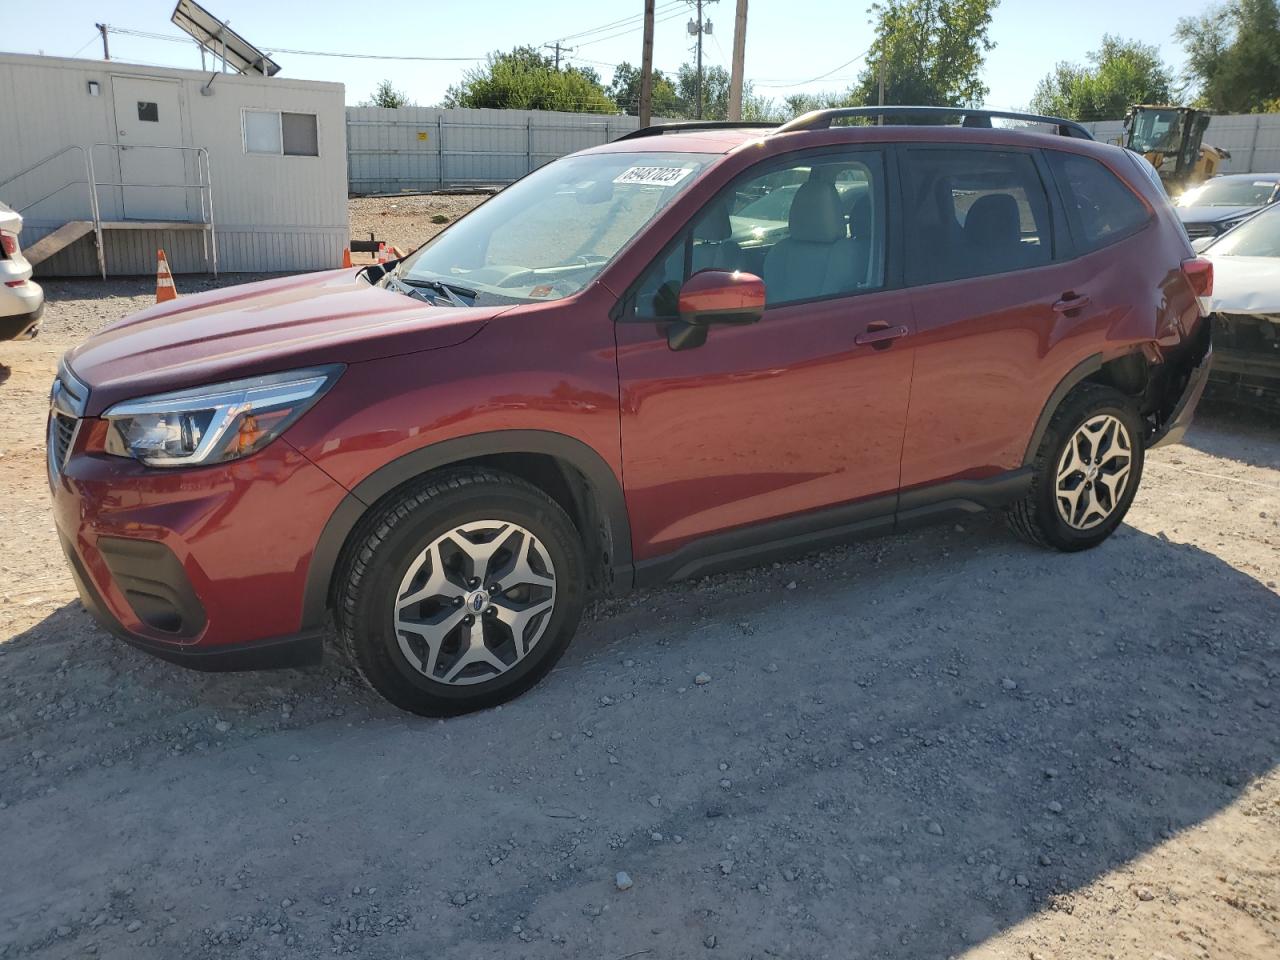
811	227
973	212
1100	208
547	236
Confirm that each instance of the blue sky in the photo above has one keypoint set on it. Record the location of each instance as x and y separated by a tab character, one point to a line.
788	41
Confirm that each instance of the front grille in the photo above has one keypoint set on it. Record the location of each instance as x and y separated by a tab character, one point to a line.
67	401
1197	230
62	430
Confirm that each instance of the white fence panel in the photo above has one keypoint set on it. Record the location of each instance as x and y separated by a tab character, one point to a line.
412	149
1252	139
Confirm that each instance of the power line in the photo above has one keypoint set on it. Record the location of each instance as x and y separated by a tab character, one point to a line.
822	76
301	53
636	18
675	16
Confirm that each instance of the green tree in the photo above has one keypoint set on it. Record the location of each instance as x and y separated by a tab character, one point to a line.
932	52
625	91
525	79
1233	55
388	96
1120	72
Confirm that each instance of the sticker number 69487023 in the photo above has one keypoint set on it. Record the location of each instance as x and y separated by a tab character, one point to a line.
653	176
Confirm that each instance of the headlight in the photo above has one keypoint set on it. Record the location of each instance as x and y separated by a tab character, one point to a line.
215	423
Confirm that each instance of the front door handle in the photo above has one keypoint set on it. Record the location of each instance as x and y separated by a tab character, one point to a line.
880	333
1071	302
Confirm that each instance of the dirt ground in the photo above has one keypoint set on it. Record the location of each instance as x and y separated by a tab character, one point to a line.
945	744
407	221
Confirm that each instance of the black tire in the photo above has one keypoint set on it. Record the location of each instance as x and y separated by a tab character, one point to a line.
1036	516
386	545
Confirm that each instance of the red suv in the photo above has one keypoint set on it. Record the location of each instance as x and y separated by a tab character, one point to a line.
692	348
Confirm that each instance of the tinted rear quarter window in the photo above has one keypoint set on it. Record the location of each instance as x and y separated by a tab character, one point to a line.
1100	207
974	212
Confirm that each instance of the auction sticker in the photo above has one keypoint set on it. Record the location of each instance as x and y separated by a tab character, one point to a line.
653	176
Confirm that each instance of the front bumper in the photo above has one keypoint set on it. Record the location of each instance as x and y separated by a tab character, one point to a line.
205	566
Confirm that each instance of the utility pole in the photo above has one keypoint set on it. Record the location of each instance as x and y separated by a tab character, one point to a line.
880	119
558	49
106	50
698	28
739	55
646	67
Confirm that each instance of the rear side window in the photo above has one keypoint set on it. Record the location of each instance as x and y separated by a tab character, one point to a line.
974	212
1100	208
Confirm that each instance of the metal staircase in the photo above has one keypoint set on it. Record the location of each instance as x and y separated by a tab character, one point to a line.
73	229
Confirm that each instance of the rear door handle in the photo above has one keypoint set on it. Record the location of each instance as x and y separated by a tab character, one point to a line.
1069	303
880	335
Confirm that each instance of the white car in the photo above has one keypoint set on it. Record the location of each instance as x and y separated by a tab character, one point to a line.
21	299
1245	305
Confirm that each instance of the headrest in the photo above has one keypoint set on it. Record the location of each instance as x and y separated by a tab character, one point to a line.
816	214
994	219
714	224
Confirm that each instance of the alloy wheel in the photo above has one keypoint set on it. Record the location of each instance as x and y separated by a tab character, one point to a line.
475	602
1093	472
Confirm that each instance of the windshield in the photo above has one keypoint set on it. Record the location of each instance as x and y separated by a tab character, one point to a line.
1156	131
547	236
1259	236
1229	193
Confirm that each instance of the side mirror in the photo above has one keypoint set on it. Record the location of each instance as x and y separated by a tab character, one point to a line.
715	296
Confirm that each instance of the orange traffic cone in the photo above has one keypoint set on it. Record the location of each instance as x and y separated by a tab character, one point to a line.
165	290
382	253
346	258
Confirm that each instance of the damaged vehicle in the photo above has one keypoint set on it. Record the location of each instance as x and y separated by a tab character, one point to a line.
21	298
696	347
1245	309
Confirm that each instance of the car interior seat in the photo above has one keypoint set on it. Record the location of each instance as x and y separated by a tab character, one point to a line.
818	257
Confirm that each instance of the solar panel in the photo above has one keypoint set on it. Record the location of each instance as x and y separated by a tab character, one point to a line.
220	40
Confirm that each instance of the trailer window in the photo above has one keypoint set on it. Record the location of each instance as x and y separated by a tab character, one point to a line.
275	133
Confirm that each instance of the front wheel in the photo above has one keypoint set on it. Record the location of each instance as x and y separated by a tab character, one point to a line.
462	593
1086	472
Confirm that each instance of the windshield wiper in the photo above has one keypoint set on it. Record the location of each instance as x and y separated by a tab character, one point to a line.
452	293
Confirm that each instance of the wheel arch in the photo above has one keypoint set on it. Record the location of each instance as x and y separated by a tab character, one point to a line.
1130	373
565	468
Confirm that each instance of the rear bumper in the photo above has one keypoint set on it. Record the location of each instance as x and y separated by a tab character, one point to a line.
20	311
1176	424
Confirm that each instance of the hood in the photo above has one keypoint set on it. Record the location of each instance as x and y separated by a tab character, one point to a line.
255	328
1244	285
1213	214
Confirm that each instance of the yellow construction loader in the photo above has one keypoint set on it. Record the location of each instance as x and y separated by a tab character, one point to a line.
1170	138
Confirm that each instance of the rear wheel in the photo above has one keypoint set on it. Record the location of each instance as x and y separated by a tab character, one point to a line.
462	593
1086	472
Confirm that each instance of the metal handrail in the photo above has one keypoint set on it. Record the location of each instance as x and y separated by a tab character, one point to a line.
203	185
88	177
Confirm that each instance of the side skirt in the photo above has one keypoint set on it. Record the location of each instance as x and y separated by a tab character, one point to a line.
819	529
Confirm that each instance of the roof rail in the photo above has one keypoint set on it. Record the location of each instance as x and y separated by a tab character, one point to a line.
685	126
821	119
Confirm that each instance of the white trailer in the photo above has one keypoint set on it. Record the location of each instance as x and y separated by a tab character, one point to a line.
107	161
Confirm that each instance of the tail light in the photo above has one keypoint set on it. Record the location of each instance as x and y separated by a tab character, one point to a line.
1199	273
9	243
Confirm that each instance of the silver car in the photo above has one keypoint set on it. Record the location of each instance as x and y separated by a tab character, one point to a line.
21	299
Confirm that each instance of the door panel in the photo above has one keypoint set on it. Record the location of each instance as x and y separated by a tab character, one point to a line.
985	251
149	115
988	352
763	421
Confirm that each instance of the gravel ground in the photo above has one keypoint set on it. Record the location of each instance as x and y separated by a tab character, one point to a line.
407	221
938	745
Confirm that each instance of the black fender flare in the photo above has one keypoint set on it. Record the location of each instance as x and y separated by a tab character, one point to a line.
606	489
1075	376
